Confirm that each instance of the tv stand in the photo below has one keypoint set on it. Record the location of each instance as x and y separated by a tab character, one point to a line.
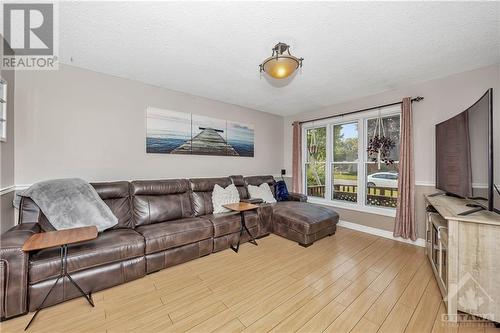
462	251
436	194
475	208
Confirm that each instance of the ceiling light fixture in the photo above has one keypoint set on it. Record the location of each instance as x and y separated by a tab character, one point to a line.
280	65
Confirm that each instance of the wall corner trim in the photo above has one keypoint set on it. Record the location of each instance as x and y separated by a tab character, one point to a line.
425	183
13	188
379	232
7	189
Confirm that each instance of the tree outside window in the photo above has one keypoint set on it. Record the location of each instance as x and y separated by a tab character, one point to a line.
345	162
316	161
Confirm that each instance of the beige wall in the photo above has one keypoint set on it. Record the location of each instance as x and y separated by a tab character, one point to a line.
78	123
444	98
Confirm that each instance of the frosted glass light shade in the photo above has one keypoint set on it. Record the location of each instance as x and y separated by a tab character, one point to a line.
282	67
281	64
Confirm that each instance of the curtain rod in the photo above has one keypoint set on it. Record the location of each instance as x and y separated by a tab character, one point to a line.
416	99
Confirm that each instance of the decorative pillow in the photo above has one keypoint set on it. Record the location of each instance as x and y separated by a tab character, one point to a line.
223	196
281	190
261	192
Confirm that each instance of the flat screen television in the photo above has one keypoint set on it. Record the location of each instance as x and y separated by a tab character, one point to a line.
464	154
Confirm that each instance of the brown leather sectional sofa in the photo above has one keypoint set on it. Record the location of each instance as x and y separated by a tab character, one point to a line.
161	223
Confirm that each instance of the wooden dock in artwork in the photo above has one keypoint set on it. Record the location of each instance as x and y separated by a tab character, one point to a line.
208	142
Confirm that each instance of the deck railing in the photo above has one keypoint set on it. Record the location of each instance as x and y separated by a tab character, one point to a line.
377	196
316	191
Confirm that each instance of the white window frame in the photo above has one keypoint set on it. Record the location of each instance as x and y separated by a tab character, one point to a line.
362	119
3	111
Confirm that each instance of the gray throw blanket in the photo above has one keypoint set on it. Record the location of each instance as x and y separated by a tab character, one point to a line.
71	203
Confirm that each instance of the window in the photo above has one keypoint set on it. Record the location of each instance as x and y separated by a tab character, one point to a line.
340	171
316	162
382	180
3	110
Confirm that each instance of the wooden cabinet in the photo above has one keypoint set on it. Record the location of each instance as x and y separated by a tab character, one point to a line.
437	246
464	252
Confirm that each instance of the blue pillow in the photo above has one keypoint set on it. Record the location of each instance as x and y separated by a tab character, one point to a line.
281	190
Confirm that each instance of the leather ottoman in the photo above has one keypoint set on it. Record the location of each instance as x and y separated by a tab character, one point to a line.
303	222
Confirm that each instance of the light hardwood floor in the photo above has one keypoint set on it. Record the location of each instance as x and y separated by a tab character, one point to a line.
350	282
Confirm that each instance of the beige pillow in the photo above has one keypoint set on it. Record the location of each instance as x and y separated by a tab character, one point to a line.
223	196
261	192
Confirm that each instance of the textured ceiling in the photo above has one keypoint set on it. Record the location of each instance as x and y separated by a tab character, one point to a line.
213	49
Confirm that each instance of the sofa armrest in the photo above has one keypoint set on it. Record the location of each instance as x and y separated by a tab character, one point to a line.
297	197
265	212
14	269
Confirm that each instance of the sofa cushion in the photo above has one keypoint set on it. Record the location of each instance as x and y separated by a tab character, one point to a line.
239	182
110	246
167	235
117	196
201	195
303	217
156	201
228	223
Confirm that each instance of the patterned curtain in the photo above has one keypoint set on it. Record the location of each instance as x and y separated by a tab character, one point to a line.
297	158
405	212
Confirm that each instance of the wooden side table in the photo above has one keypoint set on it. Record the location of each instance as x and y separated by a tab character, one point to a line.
60	238
242	207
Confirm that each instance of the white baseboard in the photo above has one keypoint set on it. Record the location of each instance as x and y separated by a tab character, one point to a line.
379	232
